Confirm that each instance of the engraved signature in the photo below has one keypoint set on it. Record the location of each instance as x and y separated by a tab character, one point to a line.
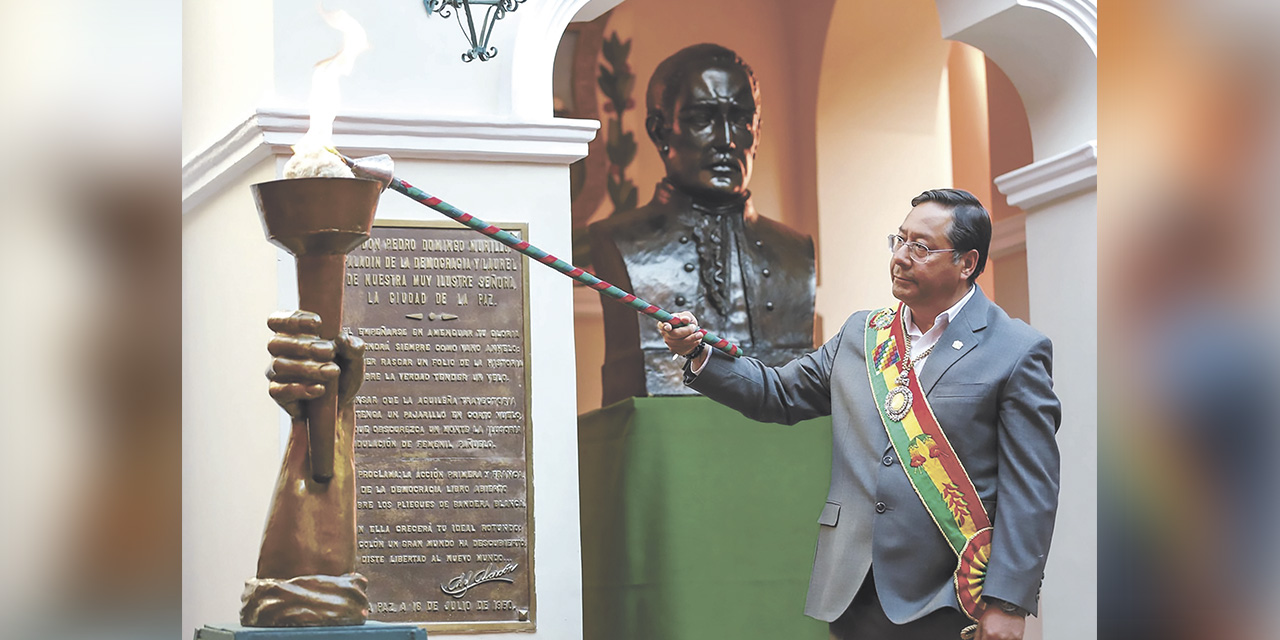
458	586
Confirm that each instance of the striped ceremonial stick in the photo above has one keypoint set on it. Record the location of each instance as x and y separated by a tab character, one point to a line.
476	224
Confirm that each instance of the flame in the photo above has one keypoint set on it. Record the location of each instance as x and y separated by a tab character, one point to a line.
325	95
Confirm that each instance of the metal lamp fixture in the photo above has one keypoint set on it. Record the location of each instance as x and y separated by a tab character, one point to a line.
478	37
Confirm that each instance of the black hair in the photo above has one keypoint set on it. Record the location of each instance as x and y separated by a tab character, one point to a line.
668	78
970	223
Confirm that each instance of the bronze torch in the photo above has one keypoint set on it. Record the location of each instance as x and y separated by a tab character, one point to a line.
319	220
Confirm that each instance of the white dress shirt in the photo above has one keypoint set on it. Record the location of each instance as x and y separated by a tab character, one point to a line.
922	341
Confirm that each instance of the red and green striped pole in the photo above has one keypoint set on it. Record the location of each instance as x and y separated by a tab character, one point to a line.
641	306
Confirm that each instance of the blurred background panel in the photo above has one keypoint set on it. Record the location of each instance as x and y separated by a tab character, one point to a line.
1189	116
89	203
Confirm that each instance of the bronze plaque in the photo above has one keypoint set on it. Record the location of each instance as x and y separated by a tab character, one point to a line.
443	513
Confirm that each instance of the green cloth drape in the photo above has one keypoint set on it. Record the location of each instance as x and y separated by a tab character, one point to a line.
697	522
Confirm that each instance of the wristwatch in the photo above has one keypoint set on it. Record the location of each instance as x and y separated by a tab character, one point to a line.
1008	607
697	351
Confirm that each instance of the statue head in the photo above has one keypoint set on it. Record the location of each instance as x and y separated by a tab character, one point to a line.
703	107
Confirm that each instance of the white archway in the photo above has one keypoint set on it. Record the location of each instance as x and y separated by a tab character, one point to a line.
1049	50
534	52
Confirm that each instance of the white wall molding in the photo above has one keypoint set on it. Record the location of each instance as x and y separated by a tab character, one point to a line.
1062	175
206	172
273	130
1008	235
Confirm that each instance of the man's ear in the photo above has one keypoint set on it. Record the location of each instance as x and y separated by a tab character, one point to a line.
656	126
970	263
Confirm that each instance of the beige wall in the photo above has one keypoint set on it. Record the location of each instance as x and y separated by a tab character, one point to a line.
970	130
588	343
990	137
971	134
883	137
1010	148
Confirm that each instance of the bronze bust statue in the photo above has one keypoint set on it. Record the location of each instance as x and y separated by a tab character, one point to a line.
699	245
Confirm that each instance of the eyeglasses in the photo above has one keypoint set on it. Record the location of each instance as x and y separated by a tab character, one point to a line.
916	251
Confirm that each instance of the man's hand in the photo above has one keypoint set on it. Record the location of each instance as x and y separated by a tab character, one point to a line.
995	624
303	365
683	340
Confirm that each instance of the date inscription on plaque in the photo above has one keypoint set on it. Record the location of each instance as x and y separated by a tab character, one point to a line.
442	442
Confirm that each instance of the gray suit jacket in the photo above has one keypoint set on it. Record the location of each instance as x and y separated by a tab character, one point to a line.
994	399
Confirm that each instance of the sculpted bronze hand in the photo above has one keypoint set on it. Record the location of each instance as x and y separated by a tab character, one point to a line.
306	568
303	363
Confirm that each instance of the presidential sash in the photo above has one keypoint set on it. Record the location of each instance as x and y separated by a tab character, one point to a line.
927	458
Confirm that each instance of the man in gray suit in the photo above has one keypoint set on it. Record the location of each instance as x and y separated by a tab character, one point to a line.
882	568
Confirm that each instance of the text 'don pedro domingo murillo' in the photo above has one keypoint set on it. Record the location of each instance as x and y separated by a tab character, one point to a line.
442	442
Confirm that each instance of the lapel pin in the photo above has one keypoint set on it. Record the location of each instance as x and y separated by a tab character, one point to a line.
956	345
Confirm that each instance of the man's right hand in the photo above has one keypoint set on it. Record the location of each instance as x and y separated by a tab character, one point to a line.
684	339
303	365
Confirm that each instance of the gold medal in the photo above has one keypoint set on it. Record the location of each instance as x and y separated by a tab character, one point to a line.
898	403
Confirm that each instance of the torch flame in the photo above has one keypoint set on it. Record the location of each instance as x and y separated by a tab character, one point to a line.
311	156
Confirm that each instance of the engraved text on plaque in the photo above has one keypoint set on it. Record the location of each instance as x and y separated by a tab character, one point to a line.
442	427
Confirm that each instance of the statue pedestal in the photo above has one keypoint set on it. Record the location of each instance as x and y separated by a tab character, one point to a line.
368	631
697	522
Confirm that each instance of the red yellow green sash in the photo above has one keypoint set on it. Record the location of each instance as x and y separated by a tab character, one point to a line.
929	461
